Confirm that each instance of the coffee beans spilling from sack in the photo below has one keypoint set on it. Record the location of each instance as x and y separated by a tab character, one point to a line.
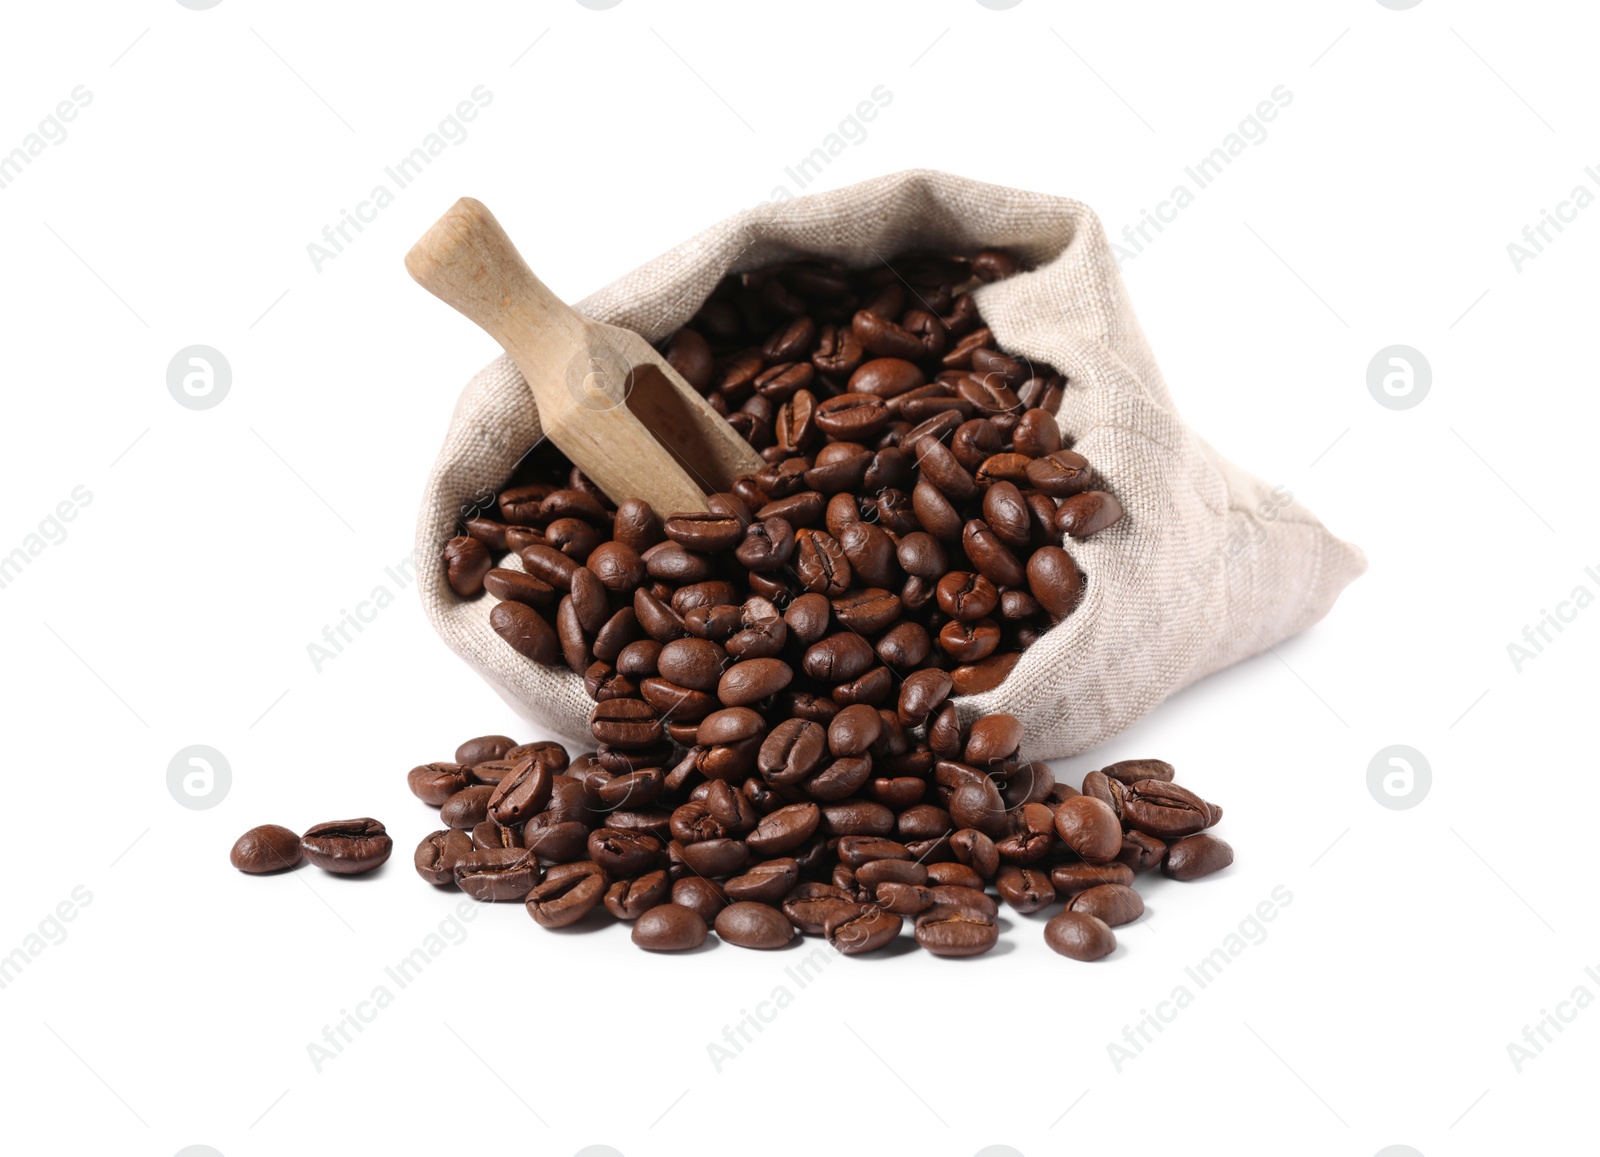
904	541
845	830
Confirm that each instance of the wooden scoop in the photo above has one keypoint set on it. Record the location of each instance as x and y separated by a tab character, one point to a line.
607	400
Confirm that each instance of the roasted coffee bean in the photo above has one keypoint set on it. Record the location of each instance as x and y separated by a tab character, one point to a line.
567	894
519	587
1054	580
1141	852
821	564
268	848
785	829
521	794
527	632
497	874
434	783
1131	771
904	899
489	834
1080	935
1090	828
626	723
438	852
886	377
630	899
1196	856
624	853
467	808
767	882
670	928
1060	474
466	562
751	925
854	730
867	929
989	555
969	642
810	904
483	749
966	596
1164	810
955	930
1025	889
1037	435
704	531
984	675
752	680
718	857
700	894
922	693
1087	513
1098	785
1114	903
693	663
347	847
838	658
1070	879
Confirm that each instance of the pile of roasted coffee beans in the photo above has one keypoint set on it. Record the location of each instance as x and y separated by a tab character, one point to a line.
904	539
777	748
844	830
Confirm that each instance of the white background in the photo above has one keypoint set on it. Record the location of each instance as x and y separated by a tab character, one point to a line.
1377	1011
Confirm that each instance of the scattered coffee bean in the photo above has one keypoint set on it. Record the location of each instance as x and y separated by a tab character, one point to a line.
268	848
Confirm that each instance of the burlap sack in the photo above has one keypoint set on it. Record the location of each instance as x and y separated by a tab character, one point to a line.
1208	566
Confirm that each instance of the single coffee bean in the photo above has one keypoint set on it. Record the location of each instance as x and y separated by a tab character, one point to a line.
466	562
752	680
867	929
1164	810
1131	771
521	794
1025	889
1141	852
704	896
436	855
956	930
1080	935
752	925
1087	513
347	847
1114	903
497	874
1090	828
483	749
767	882
527	632
1070	879
434	783
670	928
1054	580
268	848
630	899
567	894
1060	474
1196	856
467	808
630	724
785	829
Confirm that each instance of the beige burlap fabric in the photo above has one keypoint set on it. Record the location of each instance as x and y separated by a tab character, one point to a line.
1208	566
